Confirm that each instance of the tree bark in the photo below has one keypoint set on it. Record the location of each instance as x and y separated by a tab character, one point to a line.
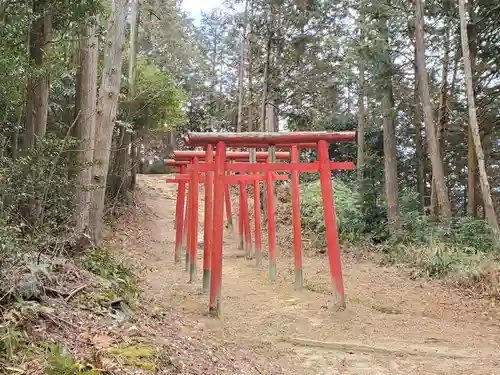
37	105
106	111
432	140
43	87
419	151
442	110
241	73
489	209
361	106
132	74
390	152
124	165
265	86
85	112
471	154
250	91
134	159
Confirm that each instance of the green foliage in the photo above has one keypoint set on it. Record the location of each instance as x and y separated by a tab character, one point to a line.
426	245
347	205
158	167
37	196
11	337
60	362
101	263
157	103
40	182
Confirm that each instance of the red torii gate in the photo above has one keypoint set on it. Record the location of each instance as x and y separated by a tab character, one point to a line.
191	218
241	156
318	140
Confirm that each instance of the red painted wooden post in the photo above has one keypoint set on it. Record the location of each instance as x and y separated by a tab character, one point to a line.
218	235
194	223
179	216
258	224
297	235
332	238
229	215
271	225
187	221
240	218
256	210
208	222
246	221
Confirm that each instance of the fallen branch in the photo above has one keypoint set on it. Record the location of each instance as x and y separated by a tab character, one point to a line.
55	319
352	348
74	292
58	293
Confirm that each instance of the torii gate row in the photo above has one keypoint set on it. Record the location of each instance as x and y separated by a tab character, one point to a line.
191	225
237	156
234	156
192	208
273	140
182	187
186	157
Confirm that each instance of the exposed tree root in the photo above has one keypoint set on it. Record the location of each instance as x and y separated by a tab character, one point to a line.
352	348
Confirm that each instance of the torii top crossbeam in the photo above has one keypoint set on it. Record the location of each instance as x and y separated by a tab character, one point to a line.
266	139
231	155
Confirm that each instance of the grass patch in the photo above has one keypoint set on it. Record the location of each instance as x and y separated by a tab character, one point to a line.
465	250
136	356
12	337
60	362
441	260
123	283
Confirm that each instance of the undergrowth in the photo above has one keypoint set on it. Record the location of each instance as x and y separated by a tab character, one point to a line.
465	249
122	284
43	259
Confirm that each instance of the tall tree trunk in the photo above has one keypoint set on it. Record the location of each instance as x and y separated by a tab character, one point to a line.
390	152
134	159
123	162
419	150
361	126
432	140
250	87
132	74
123	154
442	110
241	73
106	111
42	89
265	86
489	209
37	105
361	106
85	112
471	154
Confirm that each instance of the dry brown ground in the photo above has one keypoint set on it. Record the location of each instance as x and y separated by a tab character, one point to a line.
392	325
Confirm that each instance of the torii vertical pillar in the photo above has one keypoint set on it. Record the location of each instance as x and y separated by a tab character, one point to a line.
332	237
218	223
297	229
179	216
208	232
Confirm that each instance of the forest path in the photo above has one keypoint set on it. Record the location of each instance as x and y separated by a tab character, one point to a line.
392	325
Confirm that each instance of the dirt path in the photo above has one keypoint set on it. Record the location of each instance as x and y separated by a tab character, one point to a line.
392	325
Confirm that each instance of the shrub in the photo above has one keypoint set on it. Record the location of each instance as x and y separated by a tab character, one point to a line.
459	248
347	205
158	167
38	190
37	196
